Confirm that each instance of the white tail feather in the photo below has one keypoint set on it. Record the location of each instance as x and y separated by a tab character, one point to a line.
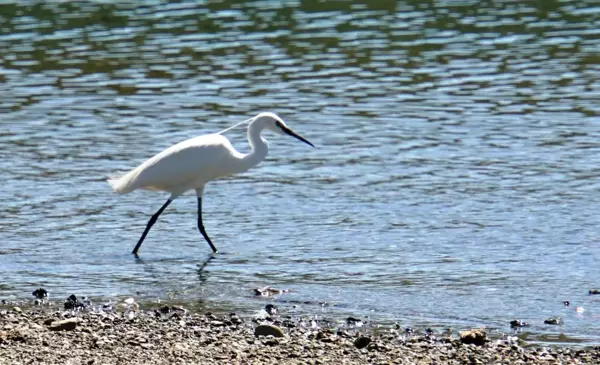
123	184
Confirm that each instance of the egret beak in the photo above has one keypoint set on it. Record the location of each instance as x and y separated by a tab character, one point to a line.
290	132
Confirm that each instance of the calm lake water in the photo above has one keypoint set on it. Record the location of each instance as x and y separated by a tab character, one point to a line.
455	181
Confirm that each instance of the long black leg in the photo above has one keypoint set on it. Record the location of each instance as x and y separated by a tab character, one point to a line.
149	225
201	226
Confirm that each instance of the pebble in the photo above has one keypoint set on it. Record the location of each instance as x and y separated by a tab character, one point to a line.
474	336
268	330
351	321
271	309
73	303
165	310
64	325
362	342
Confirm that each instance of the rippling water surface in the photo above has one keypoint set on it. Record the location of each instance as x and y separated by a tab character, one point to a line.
455	181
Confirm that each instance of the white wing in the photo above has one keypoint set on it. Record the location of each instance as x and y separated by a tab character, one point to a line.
196	160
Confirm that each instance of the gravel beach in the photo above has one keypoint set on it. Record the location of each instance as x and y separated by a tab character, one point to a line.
171	335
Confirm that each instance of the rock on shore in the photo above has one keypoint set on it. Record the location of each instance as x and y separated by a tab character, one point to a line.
67	337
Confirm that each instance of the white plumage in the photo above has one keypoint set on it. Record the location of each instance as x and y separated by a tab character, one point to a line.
191	164
181	167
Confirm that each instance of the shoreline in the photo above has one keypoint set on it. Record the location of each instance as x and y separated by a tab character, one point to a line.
128	334
531	333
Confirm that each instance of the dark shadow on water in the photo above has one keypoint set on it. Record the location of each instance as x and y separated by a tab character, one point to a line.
201	270
162	270
153	259
149	267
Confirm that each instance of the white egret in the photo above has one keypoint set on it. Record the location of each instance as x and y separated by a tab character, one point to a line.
191	164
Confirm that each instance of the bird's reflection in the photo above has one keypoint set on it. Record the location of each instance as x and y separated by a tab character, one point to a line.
149	267
201	270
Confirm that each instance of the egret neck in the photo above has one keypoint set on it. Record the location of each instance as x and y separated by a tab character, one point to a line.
259	147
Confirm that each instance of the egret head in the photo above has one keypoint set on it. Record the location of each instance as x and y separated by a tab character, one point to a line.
272	122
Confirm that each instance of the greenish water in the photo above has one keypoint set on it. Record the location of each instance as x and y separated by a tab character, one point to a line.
454	183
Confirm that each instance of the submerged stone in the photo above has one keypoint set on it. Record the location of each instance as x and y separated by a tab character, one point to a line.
554	321
518	323
40	293
267	291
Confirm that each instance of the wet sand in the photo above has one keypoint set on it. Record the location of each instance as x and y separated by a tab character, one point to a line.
171	335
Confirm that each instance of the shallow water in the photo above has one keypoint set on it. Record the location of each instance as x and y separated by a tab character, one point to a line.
454	183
